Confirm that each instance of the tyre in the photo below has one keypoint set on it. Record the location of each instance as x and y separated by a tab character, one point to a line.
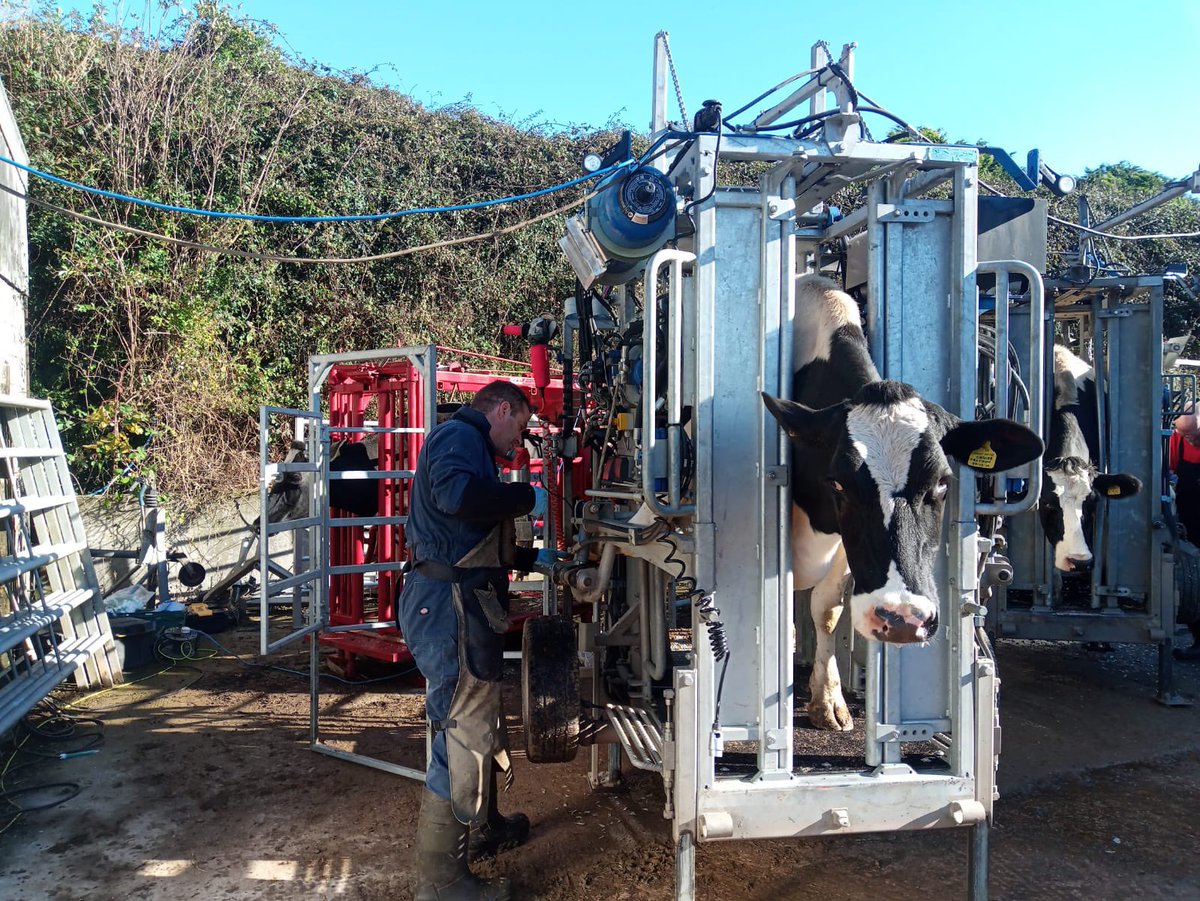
1187	580
550	689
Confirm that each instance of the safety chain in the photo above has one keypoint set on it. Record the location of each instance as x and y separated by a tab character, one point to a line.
666	42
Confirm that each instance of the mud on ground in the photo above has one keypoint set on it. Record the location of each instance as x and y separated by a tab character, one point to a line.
204	788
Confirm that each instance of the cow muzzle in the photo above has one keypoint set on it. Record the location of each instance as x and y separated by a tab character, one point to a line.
894	617
1077	564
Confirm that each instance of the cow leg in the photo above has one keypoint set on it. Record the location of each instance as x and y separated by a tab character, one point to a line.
827	708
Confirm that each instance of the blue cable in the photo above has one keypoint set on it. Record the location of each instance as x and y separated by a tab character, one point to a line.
366	217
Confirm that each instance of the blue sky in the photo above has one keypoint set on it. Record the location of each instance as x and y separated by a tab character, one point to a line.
1087	83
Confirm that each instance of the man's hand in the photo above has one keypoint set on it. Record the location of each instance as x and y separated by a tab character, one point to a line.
547	557
541	499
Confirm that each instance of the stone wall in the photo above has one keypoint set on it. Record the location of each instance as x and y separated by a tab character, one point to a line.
213	539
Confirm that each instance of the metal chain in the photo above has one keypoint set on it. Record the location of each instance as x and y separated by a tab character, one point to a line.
675	78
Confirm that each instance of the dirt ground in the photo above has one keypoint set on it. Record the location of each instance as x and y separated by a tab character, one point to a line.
204	788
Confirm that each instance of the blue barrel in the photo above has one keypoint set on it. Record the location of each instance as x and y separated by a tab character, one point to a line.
633	214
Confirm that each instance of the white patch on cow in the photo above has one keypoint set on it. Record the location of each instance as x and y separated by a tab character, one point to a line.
893	598
827	705
1069	373
885	436
1072	491
821	309
812	551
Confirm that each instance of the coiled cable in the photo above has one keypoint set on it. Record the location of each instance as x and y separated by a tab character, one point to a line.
718	641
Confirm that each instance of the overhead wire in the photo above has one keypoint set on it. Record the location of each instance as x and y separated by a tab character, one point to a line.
280	258
651	153
363	217
1092	231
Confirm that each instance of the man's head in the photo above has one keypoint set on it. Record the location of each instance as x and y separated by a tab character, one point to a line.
1187	425
507	410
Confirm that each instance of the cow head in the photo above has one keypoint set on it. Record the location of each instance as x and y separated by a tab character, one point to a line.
883	465
1071	488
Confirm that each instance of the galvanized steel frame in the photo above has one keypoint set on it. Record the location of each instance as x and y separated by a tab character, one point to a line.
1122	319
317	524
741	298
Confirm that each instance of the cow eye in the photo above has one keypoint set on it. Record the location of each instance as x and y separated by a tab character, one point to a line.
943	486
836	485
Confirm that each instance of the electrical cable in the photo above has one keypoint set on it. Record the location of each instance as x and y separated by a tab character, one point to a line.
364	217
882	110
407	672
687	210
719	643
277	258
48	721
1092	231
796	123
727	120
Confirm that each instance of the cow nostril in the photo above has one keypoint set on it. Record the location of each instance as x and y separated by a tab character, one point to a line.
931	625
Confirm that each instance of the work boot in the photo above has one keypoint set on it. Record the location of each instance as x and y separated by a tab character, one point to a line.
442	872
498	833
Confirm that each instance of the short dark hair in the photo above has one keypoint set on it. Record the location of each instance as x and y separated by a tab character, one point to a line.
495	393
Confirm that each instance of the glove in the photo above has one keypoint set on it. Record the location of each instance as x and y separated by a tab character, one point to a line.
547	557
541	498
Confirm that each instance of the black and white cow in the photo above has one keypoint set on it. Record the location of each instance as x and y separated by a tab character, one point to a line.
869	480
288	497
1071	484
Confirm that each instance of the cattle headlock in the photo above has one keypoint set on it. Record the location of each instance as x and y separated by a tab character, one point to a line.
1097	564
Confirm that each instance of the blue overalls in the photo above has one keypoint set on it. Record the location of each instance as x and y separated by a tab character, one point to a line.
458	501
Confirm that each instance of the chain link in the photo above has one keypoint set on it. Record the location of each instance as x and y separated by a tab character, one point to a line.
675	78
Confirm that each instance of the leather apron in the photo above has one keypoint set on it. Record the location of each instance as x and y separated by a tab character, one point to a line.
475	732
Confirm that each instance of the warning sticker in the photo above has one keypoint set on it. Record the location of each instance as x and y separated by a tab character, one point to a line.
982	457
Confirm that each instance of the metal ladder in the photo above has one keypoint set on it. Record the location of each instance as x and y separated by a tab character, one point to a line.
52	618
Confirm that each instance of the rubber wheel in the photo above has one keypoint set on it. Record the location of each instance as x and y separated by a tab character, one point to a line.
550	689
1187	580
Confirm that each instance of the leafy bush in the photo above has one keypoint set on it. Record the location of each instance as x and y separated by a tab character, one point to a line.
160	354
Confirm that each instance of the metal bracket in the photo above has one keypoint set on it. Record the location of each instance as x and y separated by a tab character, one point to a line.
888	732
777	475
913	212
780	209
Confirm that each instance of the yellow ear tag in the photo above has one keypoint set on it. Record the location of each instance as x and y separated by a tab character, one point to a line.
1113	491
982	457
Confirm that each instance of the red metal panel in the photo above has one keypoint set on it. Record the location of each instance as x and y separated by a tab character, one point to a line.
396	390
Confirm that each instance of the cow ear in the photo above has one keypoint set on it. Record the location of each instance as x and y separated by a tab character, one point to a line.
992	445
1116	486
819	428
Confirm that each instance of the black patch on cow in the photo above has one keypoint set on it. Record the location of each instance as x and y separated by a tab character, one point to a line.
357	496
884	393
823	383
815	437
1011	443
1073	449
1050	513
1117	486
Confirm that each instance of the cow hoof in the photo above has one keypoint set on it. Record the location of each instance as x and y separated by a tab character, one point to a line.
834	717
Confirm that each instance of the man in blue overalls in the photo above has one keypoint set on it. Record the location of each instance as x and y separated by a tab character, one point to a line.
453	611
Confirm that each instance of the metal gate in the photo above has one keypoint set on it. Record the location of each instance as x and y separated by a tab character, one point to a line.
314	573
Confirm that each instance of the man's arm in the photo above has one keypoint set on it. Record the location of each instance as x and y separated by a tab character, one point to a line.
461	491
